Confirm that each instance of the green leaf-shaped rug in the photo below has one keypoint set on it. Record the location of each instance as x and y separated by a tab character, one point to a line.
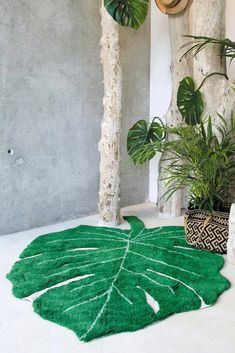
98	281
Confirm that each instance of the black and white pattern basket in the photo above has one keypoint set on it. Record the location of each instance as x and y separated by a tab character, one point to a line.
207	231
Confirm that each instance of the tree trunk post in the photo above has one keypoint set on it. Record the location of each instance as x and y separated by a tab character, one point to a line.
179	25
208	19
109	146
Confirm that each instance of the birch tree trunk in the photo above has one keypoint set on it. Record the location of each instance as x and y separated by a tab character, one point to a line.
109	146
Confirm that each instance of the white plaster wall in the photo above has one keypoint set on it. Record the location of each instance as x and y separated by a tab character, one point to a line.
230	13
160	79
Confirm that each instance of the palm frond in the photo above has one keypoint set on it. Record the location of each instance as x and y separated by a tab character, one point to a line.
198	43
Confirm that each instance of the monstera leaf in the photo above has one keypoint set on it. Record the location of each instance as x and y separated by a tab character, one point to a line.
128	12
190	101
143	140
98	281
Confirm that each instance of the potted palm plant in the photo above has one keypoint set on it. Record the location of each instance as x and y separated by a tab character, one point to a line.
201	156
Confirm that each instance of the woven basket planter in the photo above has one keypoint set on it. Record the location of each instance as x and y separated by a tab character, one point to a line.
207	231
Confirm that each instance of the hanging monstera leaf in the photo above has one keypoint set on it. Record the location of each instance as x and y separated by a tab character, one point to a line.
143	140
130	13
190	101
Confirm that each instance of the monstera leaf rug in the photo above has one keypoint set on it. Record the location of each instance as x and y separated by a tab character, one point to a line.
98	281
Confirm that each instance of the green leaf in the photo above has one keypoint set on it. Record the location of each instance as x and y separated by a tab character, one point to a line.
130	13
203	131
142	140
209	131
190	102
97	280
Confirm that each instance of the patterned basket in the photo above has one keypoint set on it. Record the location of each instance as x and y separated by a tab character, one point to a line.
207	231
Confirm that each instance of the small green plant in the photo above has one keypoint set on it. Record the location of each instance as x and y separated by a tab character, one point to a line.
200	154
201	158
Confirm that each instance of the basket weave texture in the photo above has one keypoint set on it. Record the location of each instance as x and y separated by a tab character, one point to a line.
207	231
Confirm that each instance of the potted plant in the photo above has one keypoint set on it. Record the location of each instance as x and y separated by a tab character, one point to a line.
201	158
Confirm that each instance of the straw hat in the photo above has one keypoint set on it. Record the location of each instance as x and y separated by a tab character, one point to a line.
172	7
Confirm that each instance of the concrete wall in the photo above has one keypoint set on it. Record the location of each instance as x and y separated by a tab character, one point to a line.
51	108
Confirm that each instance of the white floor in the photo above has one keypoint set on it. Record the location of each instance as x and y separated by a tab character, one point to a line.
211	330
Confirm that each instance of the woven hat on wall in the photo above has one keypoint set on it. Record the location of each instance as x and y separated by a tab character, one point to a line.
172	7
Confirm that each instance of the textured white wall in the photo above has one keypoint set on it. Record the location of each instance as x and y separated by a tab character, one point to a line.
160	82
